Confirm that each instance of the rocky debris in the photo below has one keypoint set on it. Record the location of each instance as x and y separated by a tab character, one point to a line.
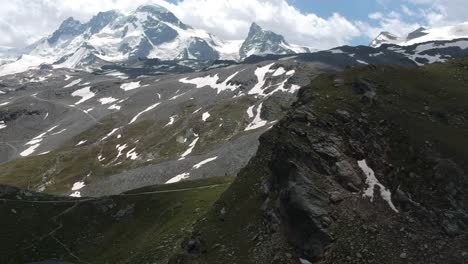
12	115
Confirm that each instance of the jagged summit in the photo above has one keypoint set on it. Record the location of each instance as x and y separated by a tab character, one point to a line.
261	42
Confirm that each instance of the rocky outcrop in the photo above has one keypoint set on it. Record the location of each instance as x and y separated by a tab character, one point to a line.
344	178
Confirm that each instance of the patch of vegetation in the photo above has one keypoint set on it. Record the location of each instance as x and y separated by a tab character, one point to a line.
142	226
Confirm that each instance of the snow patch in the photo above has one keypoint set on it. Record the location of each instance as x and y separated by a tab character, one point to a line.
171	120
73	83
35	143
201	163
132	154
250	111
29	150
120	148
110	133
258	122
149	108
279	71
76	194
130	86
107	100
114	107
294	88
212	81
178	178
2	124
190	149
119	75
81	142
59	132
371	182
260	72
205	116
78	186
85	94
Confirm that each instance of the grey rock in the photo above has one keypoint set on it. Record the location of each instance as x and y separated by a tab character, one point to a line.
347	174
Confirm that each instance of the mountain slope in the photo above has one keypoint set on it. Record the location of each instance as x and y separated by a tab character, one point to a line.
147	122
367	157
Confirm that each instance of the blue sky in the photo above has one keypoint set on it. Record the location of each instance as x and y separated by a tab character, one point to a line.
360	10
318	24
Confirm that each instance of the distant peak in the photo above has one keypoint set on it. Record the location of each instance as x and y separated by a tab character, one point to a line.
417	33
152	9
388	34
69	26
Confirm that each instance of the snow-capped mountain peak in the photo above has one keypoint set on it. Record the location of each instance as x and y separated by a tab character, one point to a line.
260	42
384	38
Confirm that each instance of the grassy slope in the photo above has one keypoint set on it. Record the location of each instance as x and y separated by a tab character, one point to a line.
129	228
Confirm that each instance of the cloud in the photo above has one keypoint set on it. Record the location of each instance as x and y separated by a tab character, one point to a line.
231	19
392	22
23	21
407	11
442	12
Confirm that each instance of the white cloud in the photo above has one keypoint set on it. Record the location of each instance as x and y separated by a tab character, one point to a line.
231	19
443	12
407	11
23	21
376	15
392	22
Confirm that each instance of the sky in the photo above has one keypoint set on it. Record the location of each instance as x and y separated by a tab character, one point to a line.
313	23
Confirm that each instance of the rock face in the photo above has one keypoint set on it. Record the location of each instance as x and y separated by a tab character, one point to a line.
293	202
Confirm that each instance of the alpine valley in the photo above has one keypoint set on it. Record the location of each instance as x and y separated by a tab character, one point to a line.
135	138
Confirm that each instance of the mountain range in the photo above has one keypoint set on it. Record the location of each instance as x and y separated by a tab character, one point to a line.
422	35
150	31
